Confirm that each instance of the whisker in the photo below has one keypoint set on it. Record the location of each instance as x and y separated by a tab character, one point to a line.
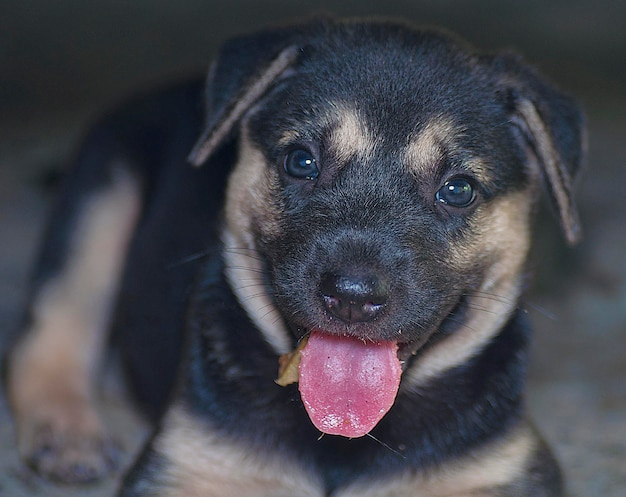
270	310
386	446
244	251
252	296
190	258
246	268
492	296
478	294
542	310
460	323
503	123
480	308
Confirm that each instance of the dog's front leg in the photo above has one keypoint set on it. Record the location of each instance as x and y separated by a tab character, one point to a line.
51	369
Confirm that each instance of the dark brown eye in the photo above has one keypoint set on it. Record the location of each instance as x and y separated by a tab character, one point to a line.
457	192
299	163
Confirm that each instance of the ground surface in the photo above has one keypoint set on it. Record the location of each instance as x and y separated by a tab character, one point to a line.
62	62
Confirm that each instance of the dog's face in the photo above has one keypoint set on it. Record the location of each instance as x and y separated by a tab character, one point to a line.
383	191
382	200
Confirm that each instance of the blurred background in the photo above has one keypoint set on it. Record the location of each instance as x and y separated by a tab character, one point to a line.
64	62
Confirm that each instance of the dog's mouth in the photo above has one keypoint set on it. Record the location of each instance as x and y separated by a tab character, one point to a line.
348	384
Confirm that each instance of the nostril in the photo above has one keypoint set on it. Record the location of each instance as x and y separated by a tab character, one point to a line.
329	286
372	307
355	298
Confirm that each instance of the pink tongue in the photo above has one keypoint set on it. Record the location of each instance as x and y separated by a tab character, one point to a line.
347	386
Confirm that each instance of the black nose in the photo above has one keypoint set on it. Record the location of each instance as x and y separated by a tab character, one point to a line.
354	299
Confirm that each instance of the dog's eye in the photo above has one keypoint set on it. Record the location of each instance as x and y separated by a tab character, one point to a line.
457	192
301	164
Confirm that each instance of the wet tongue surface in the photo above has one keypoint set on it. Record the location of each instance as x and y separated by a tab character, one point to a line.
347	385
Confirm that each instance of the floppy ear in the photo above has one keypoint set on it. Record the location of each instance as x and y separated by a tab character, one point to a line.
245	70
553	127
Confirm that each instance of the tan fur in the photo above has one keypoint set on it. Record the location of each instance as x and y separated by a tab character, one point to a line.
203	464
251	207
500	232
52	369
243	271
425	151
350	137
251	196
475	475
289	137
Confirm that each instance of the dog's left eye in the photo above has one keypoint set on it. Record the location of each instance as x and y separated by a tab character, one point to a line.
457	192
300	164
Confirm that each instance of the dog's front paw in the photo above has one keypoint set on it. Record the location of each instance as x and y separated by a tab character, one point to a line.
67	445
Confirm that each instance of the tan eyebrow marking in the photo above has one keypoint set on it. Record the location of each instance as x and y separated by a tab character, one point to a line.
351	136
426	149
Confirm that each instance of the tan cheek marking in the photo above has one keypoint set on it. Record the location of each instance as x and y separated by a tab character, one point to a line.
57	358
475	475
504	237
203	464
244	273
249	194
249	200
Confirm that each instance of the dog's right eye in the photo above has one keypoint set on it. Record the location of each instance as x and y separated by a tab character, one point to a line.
299	163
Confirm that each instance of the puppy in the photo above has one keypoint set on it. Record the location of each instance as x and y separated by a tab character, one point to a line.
361	213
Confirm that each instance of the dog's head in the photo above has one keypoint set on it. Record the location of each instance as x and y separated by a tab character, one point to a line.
385	185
